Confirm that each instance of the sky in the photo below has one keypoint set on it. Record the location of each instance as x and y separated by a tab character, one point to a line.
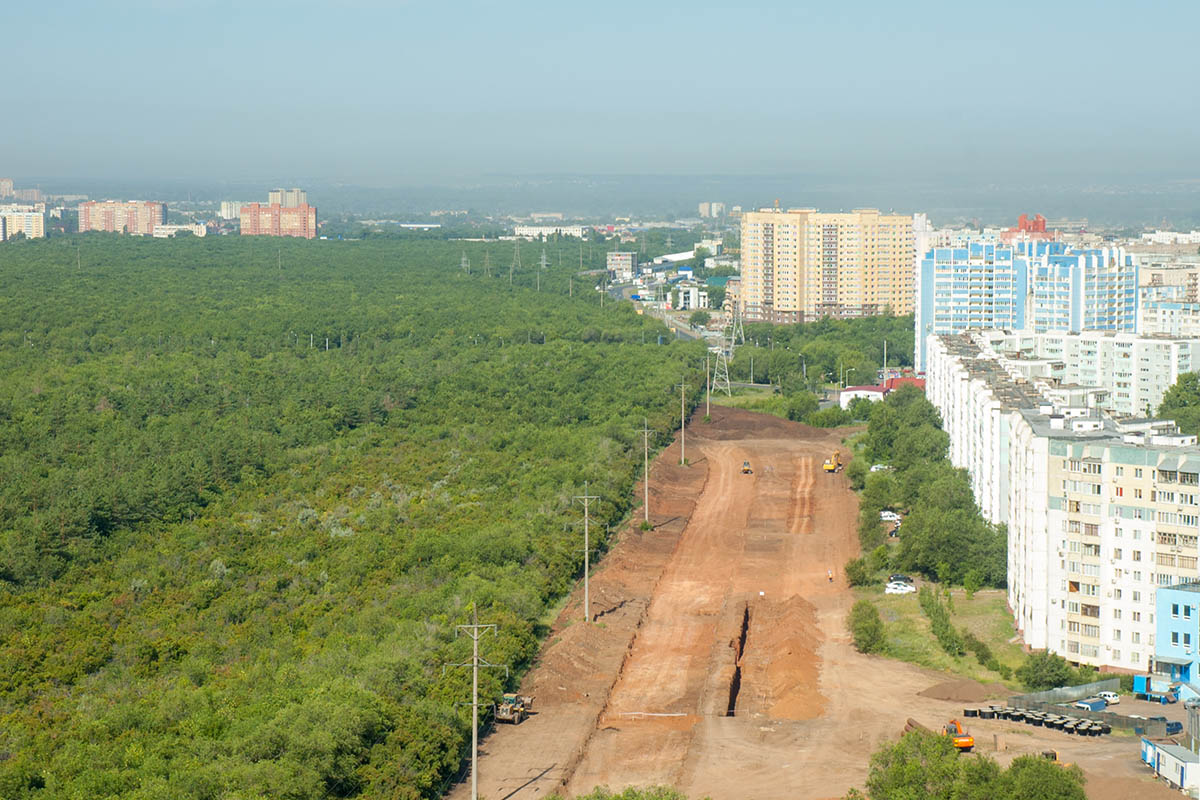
396	93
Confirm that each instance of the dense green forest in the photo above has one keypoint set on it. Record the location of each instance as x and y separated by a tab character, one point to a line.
251	486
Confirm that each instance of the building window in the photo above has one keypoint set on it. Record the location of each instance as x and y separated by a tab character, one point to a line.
1175	610
1135	637
1187	612
1117	635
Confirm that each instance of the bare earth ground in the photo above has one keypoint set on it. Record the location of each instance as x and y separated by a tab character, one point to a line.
724	606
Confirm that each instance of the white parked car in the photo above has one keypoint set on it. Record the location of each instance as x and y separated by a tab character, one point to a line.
879	468
889	516
899	588
1112	698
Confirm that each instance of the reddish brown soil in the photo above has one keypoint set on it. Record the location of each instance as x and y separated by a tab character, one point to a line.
732	581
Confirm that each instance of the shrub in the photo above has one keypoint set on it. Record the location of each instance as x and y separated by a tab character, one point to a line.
857	572
867	628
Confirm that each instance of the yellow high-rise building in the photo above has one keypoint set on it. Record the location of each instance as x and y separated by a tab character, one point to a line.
802	264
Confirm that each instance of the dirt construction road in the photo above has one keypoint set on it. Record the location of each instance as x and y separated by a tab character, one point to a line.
718	662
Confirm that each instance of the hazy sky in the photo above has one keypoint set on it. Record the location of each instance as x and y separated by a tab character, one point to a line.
399	92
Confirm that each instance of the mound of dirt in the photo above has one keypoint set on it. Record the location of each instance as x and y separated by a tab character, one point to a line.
965	691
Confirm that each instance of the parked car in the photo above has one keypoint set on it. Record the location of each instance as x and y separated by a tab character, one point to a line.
899	578
899	588
889	516
880	468
1091	704
1112	698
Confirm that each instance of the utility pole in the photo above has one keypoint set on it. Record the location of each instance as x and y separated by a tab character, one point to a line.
516	262
465	263
751	369
885	359
682	424
707	389
487	263
587	552
646	469
543	264
476	632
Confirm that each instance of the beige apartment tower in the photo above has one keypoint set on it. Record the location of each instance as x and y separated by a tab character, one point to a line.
802	264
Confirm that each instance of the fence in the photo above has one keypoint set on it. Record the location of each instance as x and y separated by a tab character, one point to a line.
1052	700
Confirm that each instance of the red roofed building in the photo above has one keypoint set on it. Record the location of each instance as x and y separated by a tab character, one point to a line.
1027	229
892	384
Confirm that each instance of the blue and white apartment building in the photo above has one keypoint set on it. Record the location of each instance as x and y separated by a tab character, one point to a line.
1037	286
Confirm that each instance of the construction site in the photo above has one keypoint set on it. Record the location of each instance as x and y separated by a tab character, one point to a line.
717	661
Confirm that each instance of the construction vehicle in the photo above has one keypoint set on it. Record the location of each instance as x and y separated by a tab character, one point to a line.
746	468
514	708
833	463
963	741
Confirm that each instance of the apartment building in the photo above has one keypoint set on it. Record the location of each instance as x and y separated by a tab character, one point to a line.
6	187
1130	372
622	266
546	231
112	216
1169	295
804	264
1041	286
978	286
276	220
29	220
287	198
1076	290
1100	512
230	209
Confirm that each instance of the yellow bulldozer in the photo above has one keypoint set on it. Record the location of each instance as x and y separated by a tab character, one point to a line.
514	708
833	463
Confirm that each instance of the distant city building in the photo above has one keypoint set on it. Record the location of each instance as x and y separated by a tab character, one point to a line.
230	209
29	220
539	231
137	217
1169	297
546	216
691	298
1171	237
705	209
801	264
1029	230
622	266
6	187
167	231
273	219
287	198
717	210
28	195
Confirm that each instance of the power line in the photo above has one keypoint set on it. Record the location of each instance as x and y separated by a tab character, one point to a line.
476	632
587	553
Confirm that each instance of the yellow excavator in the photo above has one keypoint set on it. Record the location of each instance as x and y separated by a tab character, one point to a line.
746	468
833	463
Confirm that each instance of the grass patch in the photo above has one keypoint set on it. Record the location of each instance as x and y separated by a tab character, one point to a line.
767	401
909	637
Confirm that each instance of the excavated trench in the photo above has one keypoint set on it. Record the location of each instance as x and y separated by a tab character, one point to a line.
735	683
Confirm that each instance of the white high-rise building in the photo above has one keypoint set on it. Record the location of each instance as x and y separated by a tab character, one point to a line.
1100	512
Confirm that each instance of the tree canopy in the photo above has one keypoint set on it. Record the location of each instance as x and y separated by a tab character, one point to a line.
251	487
